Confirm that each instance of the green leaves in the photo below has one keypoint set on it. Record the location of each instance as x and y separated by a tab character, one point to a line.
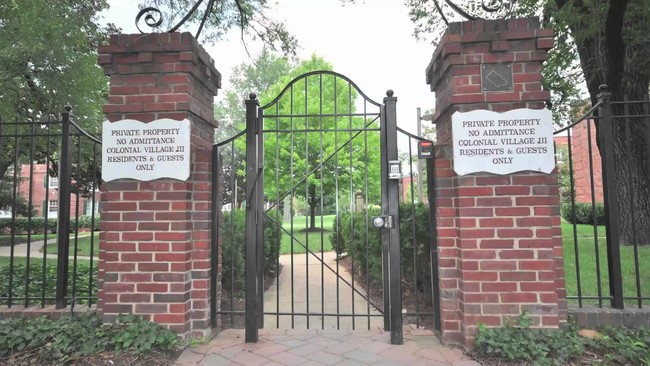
58	341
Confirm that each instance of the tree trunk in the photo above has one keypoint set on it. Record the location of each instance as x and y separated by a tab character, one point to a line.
618	57
313	201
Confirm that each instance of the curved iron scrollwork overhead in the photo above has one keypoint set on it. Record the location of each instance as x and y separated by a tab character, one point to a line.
471	9
153	18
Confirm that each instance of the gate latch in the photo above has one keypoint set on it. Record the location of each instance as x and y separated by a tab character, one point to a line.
383	222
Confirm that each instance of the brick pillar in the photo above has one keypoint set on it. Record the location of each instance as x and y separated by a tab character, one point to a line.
499	236
154	250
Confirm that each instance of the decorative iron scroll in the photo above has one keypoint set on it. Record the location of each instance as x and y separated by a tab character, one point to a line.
470	9
153	18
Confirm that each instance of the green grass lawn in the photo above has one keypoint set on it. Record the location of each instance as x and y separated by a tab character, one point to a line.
312	239
587	263
6	240
83	245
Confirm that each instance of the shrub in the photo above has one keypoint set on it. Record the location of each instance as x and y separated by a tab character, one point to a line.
515	341
36	285
60	341
35	225
353	233
582	213
233	249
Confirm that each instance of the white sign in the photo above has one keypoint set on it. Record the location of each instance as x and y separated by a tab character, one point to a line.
503	143
146	151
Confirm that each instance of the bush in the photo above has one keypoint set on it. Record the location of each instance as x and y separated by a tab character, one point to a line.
352	233
35	225
515	341
36	284
60	341
233	249
583	213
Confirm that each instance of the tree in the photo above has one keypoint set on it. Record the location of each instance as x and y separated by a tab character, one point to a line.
597	42
328	155
246	78
45	67
220	16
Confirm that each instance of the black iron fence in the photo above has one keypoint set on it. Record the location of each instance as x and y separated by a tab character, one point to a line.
49	190
419	248
604	173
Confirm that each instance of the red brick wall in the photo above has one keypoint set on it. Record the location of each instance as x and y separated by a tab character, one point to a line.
500	248
155	244
582	176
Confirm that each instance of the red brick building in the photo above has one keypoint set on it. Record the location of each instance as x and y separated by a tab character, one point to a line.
580	158
44	192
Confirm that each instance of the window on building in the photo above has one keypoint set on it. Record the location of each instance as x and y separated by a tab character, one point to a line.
53	208
53	182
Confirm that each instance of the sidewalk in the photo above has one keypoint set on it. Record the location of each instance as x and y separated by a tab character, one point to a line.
324	347
327	346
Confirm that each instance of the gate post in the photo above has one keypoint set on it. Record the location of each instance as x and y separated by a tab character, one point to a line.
392	187
499	236
155	245
252	220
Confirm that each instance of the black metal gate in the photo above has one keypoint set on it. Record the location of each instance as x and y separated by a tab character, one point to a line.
317	204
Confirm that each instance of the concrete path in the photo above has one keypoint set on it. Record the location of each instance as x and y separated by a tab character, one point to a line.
324	347
315	288
322	343
20	250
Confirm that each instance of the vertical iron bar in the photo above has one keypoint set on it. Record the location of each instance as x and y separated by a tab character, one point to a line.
322	229
365	207
352	198
396	335
308	216
14	213
635	243
251	334
46	209
414	233
573	213
433	240
612	226
259	189
234	246
336	184
593	214
215	207
29	209
76	227
63	216
277	204
384	209
92	225
291	210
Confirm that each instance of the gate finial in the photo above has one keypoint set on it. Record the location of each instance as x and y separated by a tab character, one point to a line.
389	93
252	96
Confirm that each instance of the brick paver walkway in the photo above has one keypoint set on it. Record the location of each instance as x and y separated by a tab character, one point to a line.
324	347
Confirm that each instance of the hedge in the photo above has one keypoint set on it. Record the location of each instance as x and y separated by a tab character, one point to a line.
35	225
583	214
353	232
233	249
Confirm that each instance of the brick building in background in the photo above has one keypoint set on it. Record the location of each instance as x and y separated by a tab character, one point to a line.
580	159
44	192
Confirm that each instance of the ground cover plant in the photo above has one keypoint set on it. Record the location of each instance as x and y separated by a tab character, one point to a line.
83	340
12	280
516	343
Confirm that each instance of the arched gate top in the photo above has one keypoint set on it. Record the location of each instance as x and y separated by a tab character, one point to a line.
320	72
